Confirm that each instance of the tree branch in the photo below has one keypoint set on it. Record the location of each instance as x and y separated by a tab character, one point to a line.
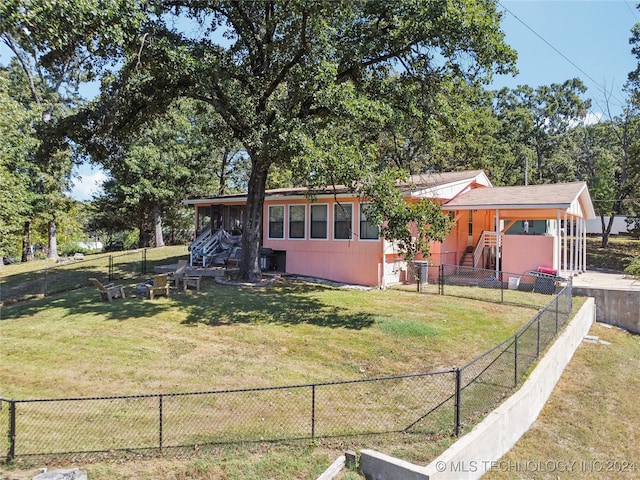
348	72
8	40
259	54
262	102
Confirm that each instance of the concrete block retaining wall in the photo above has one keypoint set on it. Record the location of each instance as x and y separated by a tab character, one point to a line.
472	455
617	307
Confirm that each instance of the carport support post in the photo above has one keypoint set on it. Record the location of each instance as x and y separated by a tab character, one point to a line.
498	253
564	253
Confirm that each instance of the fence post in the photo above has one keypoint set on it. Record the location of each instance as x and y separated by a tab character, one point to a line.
538	339
144	261
111	268
570	297
441	280
46	271
515	360
160	421
313	412
11	454
557	307
457	402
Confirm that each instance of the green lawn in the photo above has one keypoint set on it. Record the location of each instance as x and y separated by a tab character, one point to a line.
227	337
589	427
618	254
73	344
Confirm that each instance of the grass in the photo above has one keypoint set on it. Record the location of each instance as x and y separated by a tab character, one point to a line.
71	344
617	256
24	281
591	418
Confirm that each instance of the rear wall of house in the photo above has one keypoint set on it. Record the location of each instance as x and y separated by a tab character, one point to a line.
354	260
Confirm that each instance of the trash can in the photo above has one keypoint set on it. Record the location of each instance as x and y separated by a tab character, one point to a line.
265	258
421	269
544	283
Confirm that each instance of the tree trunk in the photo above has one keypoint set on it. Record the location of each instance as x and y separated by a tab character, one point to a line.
252	222
157	226
27	253
53	241
606	230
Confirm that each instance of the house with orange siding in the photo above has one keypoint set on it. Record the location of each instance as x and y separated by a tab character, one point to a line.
328	235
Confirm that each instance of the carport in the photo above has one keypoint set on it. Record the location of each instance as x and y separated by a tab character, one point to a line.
565	208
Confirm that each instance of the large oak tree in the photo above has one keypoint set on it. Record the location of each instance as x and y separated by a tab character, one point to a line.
289	77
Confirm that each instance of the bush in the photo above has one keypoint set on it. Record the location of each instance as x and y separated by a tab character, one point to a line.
633	268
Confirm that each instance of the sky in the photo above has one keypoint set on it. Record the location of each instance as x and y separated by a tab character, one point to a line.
558	40
555	40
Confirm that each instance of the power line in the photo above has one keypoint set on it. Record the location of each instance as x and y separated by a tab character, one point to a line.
571	62
633	12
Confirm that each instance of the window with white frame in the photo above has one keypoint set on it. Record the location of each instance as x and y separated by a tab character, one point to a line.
342	221
276	221
368	231
319	218
297	215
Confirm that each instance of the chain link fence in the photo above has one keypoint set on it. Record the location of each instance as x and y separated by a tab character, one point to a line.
73	274
489	379
419	403
434	403
499	287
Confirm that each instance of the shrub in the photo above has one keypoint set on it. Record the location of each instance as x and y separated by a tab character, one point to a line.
633	268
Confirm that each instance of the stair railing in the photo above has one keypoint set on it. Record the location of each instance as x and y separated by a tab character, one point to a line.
487	239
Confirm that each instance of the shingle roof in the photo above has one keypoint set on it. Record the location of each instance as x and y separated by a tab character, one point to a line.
440	178
547	196
414	182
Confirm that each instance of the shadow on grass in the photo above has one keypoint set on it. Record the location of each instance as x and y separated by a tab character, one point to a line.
285	303
86	301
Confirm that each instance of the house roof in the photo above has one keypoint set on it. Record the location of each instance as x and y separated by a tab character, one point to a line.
436	179
444	185
460	189
541	201
426	185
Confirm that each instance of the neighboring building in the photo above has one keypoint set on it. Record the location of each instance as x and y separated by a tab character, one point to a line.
594	226
330	236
